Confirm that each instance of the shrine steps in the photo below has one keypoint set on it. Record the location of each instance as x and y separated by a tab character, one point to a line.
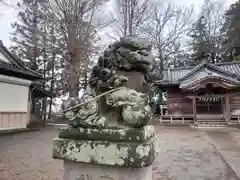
211	123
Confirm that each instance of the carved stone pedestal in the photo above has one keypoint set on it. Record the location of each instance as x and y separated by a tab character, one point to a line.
83	171
105	154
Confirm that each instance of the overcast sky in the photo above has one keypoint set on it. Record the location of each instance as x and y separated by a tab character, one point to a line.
9	15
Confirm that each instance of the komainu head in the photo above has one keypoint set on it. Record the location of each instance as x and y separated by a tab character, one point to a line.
127	54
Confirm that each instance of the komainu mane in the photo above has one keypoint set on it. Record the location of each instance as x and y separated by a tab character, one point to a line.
118	86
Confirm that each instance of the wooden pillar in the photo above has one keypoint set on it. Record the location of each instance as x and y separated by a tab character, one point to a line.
1	120
194	110
228	113
160	119
161	109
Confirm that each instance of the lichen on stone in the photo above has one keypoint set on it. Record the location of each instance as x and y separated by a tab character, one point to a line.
143	150
149	132
86	151
105	152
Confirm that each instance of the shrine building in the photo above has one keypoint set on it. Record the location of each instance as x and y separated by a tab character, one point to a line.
207	93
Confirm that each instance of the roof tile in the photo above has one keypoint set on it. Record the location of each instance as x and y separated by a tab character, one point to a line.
13	69
173	75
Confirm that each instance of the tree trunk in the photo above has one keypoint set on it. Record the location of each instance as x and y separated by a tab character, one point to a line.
74	76
50	108
33	107
125	17
53	66
131	16
73	84
44	109
161	63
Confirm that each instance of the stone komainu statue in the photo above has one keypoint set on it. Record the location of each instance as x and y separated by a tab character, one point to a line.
116	96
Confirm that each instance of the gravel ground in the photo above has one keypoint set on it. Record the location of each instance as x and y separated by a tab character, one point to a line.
27	156
185	155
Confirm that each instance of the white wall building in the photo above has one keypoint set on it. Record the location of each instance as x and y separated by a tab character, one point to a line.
16	89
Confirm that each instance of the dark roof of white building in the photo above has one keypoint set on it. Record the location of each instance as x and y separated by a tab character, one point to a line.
16	68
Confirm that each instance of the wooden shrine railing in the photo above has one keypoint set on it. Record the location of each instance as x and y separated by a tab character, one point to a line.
183	119
189	119
235	119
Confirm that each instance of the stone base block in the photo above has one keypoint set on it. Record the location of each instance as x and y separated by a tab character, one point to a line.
114	153
109	134
83	171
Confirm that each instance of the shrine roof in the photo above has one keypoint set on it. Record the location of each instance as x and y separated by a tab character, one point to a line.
174	76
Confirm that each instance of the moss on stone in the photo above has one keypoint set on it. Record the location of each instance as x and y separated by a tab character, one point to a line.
125	154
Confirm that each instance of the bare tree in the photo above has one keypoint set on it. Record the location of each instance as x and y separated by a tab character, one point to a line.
207	35
129	15
76	20
167	28
213	11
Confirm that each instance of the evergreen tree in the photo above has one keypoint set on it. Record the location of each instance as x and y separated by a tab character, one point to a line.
27	33
199	44
32	43
231	29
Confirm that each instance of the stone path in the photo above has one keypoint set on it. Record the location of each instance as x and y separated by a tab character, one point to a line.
228	144
186	154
